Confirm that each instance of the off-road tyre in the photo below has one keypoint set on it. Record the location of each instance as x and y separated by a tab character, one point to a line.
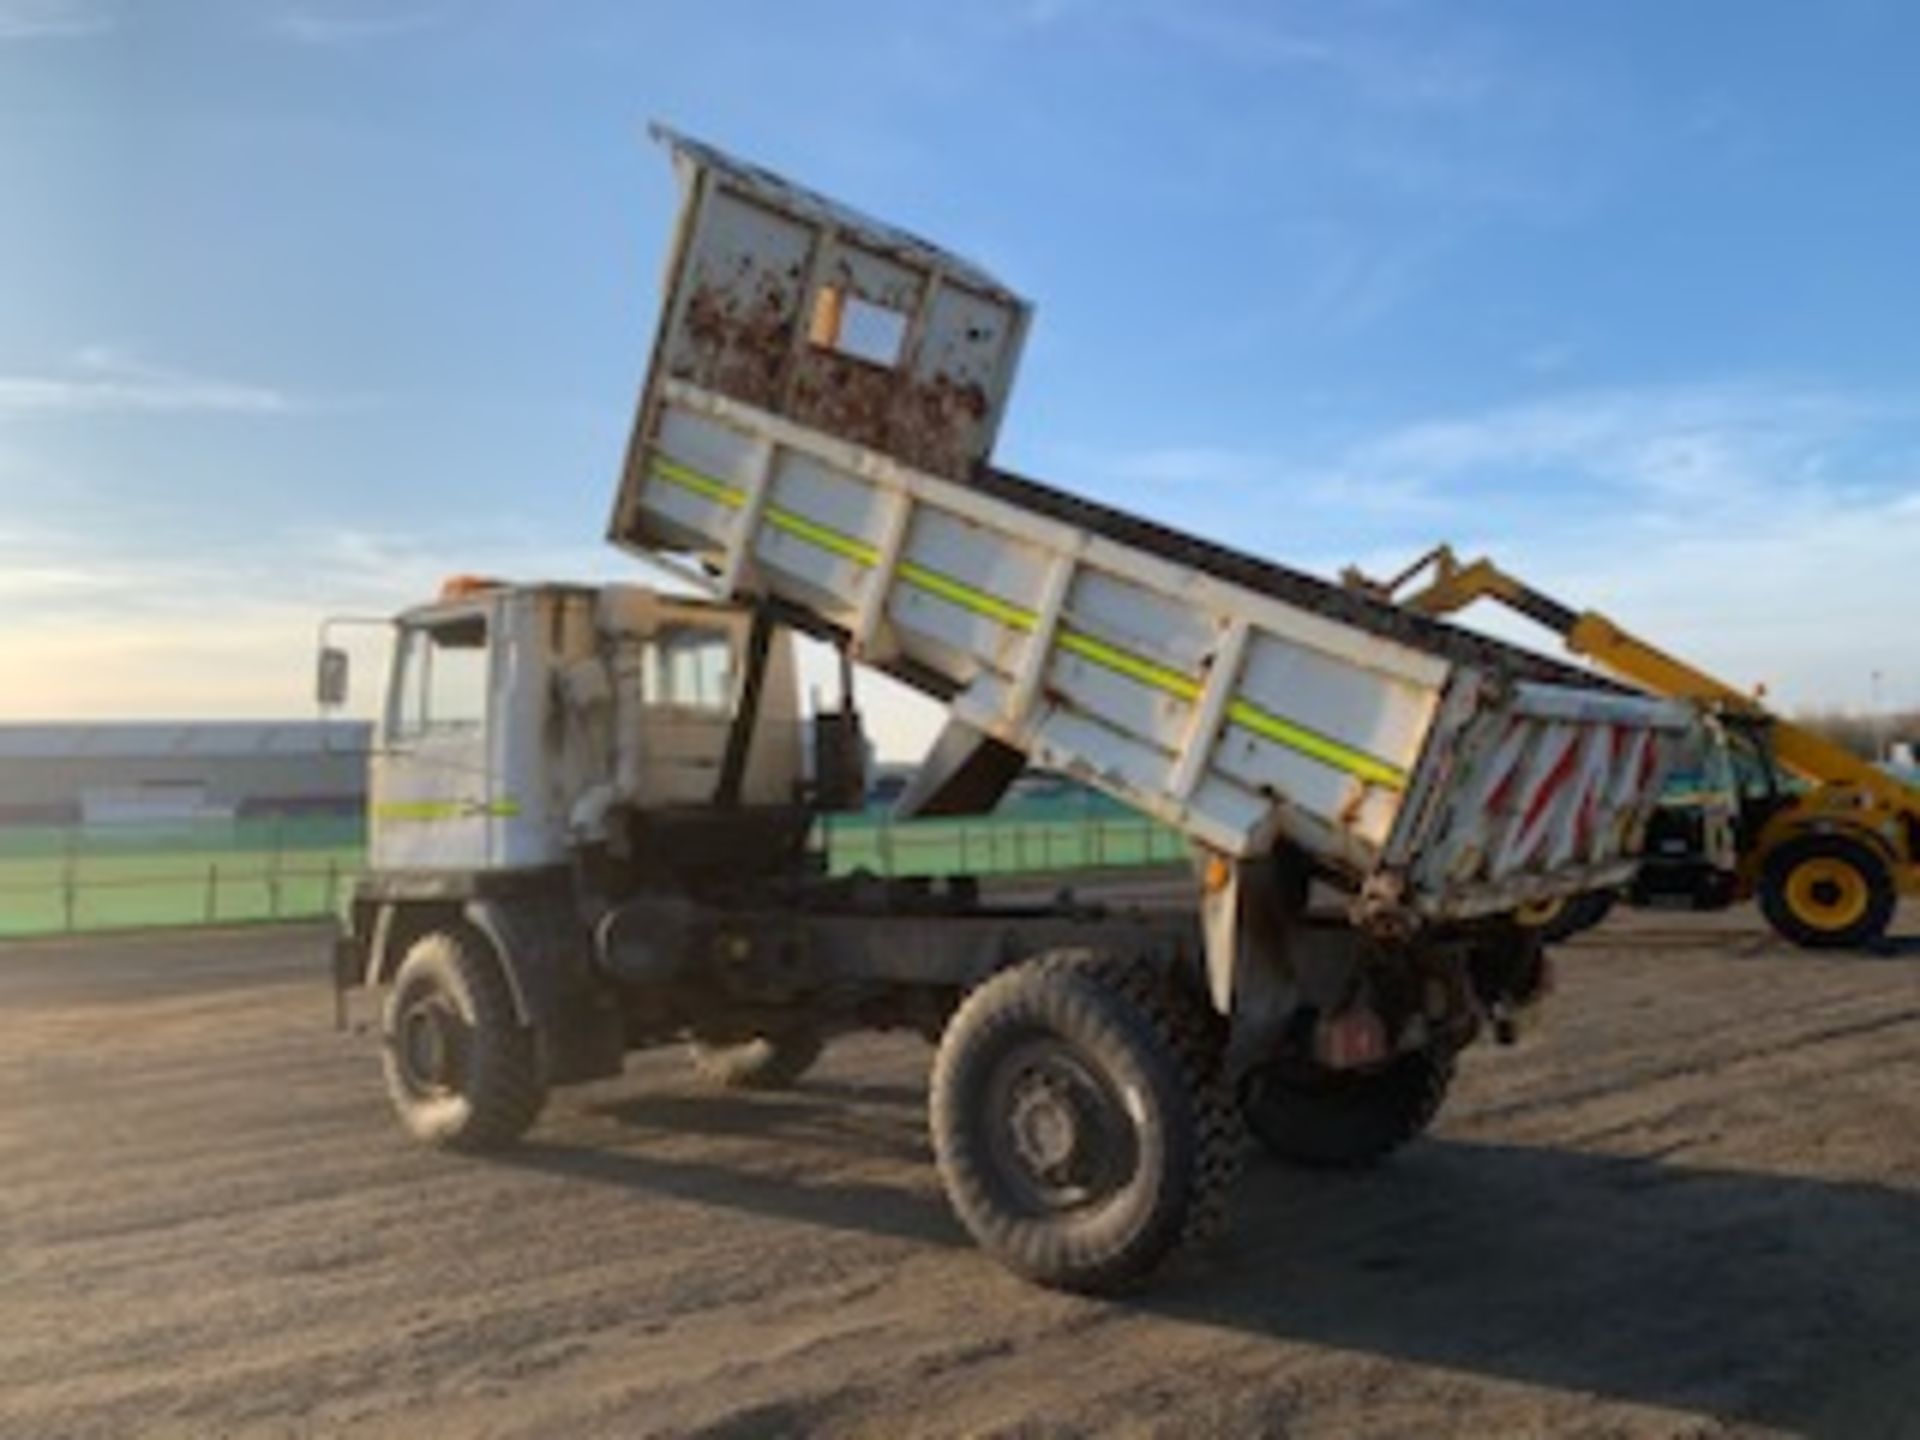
766	1062
1344	1120
484	1089
1828	892
1146	1059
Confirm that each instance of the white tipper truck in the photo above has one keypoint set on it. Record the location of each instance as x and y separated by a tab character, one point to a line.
591	807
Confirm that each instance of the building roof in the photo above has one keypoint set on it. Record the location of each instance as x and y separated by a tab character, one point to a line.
148	739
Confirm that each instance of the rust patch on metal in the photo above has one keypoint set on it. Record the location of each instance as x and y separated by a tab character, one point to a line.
737	342
936	425
845	397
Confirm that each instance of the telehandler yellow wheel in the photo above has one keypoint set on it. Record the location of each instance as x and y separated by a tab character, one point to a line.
1827	892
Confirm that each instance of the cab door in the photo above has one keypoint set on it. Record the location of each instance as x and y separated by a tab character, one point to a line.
434	794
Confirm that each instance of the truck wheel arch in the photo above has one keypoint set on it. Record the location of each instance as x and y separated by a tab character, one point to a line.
398	925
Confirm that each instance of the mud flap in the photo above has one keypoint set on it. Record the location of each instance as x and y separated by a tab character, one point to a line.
1248	936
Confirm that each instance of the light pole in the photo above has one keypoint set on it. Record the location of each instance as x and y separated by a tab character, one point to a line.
1879	720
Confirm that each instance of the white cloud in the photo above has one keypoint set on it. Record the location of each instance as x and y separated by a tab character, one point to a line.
104	380
1764	531
1679	453
1808	599
1667	440
352	22
1446	69
53	19
92	629
1769	532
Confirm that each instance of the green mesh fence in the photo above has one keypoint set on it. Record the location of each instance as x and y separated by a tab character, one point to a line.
57	880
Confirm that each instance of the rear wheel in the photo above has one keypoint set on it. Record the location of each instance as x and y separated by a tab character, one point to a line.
1081	1121
1311	1115
461	1069
1827	892
766	1062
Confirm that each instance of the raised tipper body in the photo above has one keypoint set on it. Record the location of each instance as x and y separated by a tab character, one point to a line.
845	478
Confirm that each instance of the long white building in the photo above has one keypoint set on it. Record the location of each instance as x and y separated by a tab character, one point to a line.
112	773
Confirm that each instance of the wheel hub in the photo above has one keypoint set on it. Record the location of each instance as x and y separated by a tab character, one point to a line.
1827	893
1046	1125
1062	1137
432	1044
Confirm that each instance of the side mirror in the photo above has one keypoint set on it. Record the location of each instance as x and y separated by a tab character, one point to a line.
330	678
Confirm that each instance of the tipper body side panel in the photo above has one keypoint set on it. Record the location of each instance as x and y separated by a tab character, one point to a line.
815	431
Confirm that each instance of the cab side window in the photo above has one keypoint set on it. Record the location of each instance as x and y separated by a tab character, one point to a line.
443	679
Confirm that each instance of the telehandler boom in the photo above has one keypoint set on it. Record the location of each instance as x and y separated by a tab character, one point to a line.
1827	857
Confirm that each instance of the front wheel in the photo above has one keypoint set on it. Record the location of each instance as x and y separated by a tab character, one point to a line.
1827	892
1338	1119
1081	1122
461	1069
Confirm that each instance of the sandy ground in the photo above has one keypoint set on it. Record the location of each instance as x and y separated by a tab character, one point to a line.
1690	1206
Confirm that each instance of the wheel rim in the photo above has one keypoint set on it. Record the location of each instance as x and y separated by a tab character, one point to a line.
1060	1136
1540	912
1828	893
430	1046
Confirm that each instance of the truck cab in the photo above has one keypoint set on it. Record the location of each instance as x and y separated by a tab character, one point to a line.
525	722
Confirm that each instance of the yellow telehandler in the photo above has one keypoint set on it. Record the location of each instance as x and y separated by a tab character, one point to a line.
1826	841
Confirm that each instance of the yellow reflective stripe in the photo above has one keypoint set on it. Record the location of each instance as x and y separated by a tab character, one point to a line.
688	478
1134	667
845	546
1243	713
446	810
1249	716
733	497
966	597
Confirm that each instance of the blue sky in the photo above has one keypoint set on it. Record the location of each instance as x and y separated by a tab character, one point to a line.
305	303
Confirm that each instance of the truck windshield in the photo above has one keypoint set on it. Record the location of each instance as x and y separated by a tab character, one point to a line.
441	684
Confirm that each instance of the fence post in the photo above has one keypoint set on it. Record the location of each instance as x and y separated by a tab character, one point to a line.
333	883
964	864
213	892
70	879
274	856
